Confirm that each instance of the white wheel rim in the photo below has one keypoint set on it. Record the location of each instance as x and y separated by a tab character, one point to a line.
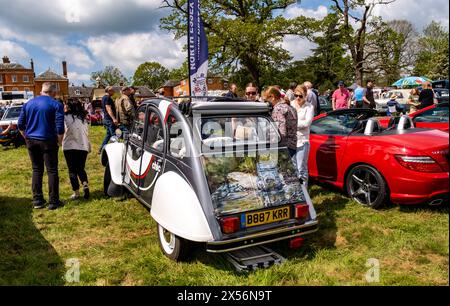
167	240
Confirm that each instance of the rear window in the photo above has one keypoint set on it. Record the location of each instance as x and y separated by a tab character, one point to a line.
257	180
13	113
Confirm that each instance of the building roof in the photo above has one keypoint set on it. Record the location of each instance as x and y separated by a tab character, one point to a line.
12	66
171	83
50	75
80	92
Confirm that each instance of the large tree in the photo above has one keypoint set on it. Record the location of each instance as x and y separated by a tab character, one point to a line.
355	16
433	57
109	76
242	33
150	74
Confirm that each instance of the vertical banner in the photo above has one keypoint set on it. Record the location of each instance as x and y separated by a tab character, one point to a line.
198	51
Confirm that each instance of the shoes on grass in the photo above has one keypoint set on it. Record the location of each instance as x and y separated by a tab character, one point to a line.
54	206
86	191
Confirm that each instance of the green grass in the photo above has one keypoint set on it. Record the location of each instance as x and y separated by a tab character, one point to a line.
116	242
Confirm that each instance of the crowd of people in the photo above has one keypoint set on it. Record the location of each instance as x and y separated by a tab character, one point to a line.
47	124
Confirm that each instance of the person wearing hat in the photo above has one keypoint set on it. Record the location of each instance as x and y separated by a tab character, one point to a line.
393	106
125	109
341	97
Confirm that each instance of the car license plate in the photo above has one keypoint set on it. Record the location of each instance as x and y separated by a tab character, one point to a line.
265	217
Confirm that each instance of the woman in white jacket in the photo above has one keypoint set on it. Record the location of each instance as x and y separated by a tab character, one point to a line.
305	114
76	146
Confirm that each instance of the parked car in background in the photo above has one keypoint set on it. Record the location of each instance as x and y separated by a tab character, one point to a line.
441	90
325	104
235	187
402	98
96	115
401	164
9	120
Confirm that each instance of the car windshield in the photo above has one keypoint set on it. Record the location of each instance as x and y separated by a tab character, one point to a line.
439	114
219	132
266	178
12	113
337	124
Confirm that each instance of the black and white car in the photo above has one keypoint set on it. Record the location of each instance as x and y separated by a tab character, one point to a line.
212	173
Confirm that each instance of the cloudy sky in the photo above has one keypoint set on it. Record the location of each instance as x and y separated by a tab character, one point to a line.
90	34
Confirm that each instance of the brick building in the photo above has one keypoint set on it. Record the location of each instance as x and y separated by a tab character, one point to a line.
61	82
15	77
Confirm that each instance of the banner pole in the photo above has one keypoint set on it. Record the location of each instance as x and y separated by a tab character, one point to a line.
189	49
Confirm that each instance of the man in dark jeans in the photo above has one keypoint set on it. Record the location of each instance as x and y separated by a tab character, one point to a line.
41	123
110	120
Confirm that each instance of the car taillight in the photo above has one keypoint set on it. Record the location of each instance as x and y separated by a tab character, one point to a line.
230	225
419	163
301	211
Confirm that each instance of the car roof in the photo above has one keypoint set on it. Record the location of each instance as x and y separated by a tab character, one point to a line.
220	106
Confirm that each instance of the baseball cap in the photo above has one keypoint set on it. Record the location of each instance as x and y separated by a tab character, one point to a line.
341	83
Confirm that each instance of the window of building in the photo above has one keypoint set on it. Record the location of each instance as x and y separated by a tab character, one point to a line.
1	79
78	92
210	81
14	78
26	79
15	89
27	89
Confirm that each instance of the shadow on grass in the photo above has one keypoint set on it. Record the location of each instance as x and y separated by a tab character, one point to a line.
442	209
26	257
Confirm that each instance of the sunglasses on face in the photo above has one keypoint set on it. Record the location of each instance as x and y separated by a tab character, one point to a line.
251	93
298	96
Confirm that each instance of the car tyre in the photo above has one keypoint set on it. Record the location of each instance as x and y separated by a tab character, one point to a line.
109	188
366	186
174	247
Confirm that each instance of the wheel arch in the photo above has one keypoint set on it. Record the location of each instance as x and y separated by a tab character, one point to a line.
112	155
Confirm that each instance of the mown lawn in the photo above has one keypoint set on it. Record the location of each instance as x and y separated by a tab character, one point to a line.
116	242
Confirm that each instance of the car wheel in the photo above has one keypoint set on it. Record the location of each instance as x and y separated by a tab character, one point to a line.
366	186
109	188
173	247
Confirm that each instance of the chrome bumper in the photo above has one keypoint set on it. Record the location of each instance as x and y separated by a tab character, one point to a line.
262	238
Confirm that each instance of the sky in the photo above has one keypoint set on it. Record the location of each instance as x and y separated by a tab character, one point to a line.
90	34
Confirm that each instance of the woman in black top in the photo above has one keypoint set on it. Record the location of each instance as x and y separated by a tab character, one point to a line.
426	97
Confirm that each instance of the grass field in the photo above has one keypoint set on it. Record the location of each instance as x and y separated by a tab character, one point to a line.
116	243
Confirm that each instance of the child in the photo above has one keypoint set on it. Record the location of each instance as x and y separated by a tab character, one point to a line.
394	107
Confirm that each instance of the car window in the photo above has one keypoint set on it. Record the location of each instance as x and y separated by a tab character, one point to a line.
155	132
177	146
438	114
335	125
138	125
13	112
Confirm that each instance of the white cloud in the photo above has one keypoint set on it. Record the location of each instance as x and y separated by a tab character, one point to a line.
78	78
294	11
76	55
129	51
300	48
13	50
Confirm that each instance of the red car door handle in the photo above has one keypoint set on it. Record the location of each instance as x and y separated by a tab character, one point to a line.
334	146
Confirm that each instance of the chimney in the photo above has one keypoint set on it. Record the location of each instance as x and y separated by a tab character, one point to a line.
64	65
6	60
32	65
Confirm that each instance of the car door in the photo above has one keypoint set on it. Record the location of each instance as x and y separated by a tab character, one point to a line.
328	142
154	155
135	151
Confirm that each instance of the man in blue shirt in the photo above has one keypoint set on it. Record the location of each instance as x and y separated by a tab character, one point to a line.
41	123
110	120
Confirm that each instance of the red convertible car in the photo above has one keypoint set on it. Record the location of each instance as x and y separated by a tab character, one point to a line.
401	163
432	117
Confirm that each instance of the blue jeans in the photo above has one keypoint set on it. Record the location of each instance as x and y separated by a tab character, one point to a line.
301	162
110	131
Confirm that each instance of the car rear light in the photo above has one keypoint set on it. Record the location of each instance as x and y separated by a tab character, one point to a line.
419	163
230	225
301	211
296	243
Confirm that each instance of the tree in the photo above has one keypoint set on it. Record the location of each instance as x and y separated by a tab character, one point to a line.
150	74
180	73
110	76
241	33
433	57
392	49
355	16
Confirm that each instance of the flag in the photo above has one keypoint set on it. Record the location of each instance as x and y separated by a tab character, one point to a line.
198	51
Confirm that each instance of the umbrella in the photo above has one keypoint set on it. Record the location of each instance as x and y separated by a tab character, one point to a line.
411	81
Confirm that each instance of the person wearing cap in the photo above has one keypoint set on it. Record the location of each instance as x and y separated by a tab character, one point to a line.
341	97
393	106
133	90
125	109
